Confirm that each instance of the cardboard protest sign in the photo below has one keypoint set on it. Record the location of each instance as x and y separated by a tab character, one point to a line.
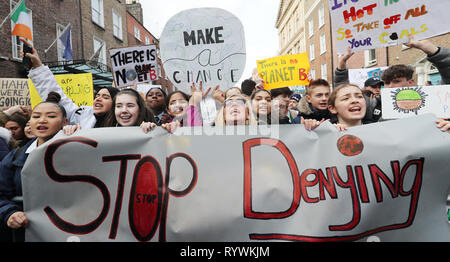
411	101
78	87
284	71
359	76
378	23
276	182
203	44
134	65
13	92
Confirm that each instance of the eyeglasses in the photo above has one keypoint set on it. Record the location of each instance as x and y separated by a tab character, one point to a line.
239	102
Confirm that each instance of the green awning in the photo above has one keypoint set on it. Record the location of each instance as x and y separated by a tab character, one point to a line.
101	74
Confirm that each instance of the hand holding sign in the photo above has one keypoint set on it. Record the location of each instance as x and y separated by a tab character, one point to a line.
425	45
35	60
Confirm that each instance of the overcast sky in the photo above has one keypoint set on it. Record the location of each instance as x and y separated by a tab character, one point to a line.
257	16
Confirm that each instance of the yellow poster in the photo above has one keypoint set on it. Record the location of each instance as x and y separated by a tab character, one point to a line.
284	71
78	87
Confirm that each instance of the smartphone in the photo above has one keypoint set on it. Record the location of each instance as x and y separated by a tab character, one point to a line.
26	60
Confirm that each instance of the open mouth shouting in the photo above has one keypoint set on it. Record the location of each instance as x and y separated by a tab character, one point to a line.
41	129
355	109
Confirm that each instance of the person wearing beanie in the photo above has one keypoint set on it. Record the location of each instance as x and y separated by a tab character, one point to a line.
293	101
78	117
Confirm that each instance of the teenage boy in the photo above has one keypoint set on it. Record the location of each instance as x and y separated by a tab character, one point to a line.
314	105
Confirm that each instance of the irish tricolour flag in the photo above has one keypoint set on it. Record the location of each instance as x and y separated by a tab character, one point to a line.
22	22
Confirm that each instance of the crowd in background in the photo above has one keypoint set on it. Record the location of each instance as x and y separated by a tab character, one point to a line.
345	106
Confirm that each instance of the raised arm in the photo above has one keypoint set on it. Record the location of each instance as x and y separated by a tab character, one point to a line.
438	56
45	82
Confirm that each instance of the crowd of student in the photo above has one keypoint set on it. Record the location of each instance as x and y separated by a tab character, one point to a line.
22	130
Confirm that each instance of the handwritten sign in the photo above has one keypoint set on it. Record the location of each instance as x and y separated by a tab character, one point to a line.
411	101
13	92
323	185
359	76
284	71
203	44
78	87
134	65
372	24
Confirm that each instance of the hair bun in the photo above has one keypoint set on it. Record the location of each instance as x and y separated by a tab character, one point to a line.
53	97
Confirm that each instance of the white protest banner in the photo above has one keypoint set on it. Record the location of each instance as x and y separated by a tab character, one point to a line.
411	101
369	24
119	184
13	92
203	44
134	65
359	76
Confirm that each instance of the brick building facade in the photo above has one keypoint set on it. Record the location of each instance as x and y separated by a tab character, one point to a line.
96	25
318	39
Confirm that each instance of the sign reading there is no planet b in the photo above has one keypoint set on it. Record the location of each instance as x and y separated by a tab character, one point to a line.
133	65
203	44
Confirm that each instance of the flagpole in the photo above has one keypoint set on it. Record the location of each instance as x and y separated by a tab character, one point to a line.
6	18
54	41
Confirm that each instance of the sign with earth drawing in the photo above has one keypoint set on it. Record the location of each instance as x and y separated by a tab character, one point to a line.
134	65
411	101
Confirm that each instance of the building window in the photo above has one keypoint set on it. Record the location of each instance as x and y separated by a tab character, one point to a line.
310	27
312	52
16	43
370	57
59	30
99	43
147	40
312	74
97	12
323	44
321	16
324	72
137	33
117	24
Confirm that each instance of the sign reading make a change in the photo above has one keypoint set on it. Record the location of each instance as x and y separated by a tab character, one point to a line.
369	24
203	45
134	65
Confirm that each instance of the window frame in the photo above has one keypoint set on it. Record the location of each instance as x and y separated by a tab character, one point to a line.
118	27
98	14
